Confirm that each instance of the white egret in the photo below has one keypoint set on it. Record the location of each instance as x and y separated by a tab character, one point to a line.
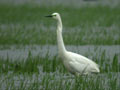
73	62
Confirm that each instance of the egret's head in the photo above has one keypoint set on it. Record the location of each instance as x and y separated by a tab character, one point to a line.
54	15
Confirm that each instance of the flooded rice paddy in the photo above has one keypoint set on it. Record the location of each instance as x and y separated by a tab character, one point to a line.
28	45
38	67
22	52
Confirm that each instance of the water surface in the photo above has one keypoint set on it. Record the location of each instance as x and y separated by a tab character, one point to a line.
15	52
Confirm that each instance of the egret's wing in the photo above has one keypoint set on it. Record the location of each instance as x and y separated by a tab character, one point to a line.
81	63
78	67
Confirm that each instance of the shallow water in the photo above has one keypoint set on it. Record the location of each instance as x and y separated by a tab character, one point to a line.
28	80
14	79
21	80
15	52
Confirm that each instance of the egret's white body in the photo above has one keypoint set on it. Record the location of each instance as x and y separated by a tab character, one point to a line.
73	62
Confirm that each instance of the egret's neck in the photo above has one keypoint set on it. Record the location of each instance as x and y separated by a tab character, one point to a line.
61	47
